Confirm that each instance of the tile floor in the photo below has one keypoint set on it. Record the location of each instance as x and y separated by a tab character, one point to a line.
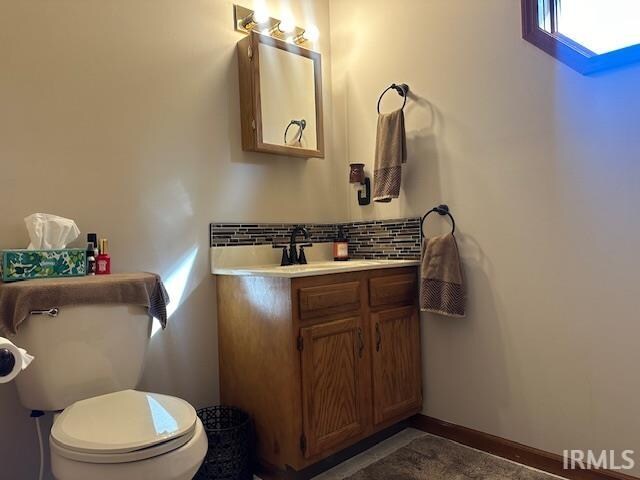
372	455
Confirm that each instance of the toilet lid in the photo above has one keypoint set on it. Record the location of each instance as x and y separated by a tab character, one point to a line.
123	422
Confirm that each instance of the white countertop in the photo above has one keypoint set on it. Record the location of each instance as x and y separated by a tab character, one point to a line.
264	261
312	268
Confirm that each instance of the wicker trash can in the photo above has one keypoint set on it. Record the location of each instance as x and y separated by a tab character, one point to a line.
229	433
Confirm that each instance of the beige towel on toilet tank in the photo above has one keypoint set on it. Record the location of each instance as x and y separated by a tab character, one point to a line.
391	153
441	281
18	299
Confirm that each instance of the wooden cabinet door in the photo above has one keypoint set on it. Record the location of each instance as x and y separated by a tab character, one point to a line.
397	378
333	389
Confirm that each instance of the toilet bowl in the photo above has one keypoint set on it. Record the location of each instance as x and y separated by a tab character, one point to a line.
127	435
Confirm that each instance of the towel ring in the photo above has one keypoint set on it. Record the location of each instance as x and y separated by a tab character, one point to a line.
302	124
441	210
402	89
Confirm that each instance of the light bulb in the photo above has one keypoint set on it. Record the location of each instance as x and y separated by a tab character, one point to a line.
312	33
261	16
287	25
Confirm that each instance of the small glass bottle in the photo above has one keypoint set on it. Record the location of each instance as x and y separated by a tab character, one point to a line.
91	260
103	262
93	238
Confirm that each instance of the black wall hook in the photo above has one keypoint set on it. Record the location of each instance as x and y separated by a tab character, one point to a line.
440	210
402	89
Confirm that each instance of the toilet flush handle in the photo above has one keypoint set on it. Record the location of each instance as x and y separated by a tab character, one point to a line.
51	312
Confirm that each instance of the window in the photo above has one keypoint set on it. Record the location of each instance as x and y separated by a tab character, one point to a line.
587	35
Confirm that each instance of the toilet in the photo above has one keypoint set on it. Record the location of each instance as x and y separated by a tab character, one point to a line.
88	361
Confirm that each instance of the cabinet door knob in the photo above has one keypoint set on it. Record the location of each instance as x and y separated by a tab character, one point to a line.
361	343
378	337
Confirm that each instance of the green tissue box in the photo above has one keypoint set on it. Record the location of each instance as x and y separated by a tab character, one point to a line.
26	264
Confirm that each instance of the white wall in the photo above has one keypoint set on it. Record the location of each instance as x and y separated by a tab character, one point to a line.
124	115
540	167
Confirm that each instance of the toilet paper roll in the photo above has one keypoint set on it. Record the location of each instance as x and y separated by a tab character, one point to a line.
13	360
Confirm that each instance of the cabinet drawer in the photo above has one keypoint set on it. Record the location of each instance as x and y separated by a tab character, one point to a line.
329	299
393	289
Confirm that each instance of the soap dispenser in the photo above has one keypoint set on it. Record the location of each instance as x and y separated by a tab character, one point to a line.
341	246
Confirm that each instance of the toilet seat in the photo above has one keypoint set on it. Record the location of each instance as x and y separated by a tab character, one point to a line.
122	427
179	464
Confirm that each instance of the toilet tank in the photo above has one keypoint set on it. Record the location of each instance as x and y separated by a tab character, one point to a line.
82	352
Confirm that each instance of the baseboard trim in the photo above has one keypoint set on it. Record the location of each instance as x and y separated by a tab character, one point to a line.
501	447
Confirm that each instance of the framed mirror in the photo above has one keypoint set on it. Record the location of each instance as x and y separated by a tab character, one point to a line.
280	97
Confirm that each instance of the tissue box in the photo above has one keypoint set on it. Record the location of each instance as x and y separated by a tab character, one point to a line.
25	264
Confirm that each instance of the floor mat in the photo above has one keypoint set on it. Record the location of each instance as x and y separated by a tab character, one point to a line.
435	458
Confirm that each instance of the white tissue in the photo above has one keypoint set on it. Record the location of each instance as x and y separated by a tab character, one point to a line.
50	232
23	359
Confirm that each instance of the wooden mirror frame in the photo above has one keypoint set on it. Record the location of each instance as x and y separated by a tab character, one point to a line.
251	106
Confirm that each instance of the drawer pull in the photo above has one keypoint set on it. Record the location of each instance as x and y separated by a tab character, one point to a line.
378	337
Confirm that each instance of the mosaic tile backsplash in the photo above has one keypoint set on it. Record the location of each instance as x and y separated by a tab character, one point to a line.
392	239
384	238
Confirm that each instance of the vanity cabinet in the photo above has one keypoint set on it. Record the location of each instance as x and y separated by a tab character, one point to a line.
320	362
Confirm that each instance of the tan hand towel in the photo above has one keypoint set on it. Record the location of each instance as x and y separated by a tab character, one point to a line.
441	281
18	299
391	153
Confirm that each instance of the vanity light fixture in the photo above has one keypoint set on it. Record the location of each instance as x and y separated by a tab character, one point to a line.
312	33
247	20
260	16
253	20
287	25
